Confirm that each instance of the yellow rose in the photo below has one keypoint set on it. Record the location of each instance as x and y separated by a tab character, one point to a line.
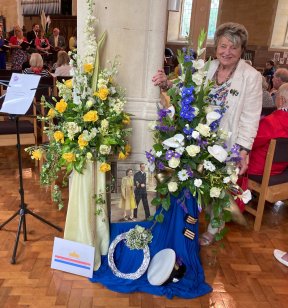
88	68
69	157
59	136
104	167
122	156
51	113
126	120
128	148
90	116
68	83
61	106
37	154
82	143
102	93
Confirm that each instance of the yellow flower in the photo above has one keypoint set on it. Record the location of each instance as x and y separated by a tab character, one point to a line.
90	116
88	68
51	113
61	106
59	136
82	143
122	156
69	157
68	83
128	148
126	120
37	154
104	167
102	93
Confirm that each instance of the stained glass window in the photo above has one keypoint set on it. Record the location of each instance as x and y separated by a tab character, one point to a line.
213	18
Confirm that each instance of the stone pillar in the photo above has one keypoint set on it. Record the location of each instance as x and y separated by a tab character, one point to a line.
136	32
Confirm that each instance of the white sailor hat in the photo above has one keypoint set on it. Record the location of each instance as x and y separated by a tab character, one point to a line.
163	268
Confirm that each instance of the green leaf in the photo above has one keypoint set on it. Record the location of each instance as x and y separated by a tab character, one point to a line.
156	201
159	217
163	190
166	203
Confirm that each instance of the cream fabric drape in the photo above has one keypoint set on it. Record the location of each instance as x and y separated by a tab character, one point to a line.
83	224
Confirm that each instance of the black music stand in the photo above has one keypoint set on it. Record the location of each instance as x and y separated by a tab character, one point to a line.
23	210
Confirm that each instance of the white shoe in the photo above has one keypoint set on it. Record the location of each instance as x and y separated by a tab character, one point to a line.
278	254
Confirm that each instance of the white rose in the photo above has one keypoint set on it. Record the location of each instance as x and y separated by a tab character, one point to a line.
197	78
218	152
224	135
195	134
104	149
172	186
203	129
193	150
197	182
198	64
212	116
215	192
174	162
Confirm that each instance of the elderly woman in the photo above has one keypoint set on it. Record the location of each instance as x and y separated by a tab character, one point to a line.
62	66
36	66
237	86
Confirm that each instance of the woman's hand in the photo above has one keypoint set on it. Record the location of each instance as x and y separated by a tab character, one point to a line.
160	79
243	164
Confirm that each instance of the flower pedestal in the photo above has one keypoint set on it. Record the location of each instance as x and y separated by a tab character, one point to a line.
87	215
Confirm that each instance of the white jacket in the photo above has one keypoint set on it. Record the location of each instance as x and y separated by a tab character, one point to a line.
244	109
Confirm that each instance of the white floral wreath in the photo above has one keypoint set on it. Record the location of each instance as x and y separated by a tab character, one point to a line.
141	270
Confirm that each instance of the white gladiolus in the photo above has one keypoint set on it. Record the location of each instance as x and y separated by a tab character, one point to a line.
198	78
218	152
212	116
198	64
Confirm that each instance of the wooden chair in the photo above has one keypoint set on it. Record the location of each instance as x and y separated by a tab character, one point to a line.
270	188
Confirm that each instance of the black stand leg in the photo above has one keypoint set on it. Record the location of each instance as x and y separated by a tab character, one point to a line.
23	207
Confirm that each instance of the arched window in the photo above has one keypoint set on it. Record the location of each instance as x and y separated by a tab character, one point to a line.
186	18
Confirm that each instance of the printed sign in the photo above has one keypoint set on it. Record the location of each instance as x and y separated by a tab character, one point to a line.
73	257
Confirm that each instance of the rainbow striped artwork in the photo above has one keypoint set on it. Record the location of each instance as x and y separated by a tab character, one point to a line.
73	257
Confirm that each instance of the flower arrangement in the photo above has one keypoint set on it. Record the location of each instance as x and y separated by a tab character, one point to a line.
88	122
138	237
189	153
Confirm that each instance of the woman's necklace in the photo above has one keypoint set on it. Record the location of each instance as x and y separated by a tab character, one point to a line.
228	76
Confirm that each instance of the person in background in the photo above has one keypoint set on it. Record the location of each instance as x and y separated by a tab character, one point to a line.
141	191
269	73
73	41
2	51
127	201
33	34
272	126
57	41
267	98
19	54
36	66
279	77
42	43
243	105
63	68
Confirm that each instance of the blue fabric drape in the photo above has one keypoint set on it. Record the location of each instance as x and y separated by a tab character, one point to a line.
168	234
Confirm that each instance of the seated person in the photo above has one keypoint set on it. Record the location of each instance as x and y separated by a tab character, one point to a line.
73	41
62	67
267	98
42	43
36	66
272	126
